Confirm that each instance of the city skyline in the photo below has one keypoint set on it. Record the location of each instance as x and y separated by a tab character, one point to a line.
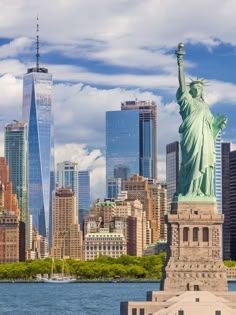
124	52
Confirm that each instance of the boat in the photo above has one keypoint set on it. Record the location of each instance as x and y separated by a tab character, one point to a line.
58	277
58	280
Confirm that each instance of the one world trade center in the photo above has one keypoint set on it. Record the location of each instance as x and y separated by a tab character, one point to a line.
37	111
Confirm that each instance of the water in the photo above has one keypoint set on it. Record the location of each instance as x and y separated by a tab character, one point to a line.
71	298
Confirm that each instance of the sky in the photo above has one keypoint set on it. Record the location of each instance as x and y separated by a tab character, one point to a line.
105	52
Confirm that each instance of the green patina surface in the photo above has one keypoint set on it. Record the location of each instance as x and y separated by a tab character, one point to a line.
198	130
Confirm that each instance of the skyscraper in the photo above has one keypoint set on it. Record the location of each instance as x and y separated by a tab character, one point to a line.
232	170
172	170
84	194
225	152
138	187
67	237
147	136
37	112
67	176
122	143
218	173
113	187
16	154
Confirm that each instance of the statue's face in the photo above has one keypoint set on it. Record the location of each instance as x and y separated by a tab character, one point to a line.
196	90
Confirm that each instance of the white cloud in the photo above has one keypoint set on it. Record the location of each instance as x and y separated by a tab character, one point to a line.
220	92
135	33
93	161
233	146
80	111
15	47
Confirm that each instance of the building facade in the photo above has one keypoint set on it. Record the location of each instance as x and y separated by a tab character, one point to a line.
159	197
123	216
113	187
225	151
232	170
9	237
67	176
137	188
172	170
12	230
147	135
122	144
37	112
218	173
104	244
16	154
84	195
67	237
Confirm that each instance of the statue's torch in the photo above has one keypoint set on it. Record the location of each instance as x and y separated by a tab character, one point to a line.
180	51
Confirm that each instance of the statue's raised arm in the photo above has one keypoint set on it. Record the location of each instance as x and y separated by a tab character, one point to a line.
180	61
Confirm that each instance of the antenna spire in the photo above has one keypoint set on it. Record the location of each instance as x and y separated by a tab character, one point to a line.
37	46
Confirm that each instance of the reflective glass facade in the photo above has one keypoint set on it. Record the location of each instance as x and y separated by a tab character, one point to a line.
84	194
113	187
67	176
16	154
122	142
147	135
37	111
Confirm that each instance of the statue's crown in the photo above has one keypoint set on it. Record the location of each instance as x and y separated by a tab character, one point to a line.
197	81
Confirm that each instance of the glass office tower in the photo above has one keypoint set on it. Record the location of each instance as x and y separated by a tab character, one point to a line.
147	136
37	111
84	195
16	154
113	187
122	142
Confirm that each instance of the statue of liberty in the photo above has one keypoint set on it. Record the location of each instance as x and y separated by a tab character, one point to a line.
198	130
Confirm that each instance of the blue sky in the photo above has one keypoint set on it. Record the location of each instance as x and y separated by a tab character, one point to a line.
104	52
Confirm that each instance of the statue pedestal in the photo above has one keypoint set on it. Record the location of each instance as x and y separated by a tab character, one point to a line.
194	260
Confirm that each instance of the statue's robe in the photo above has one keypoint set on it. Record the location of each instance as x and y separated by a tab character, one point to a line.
197	147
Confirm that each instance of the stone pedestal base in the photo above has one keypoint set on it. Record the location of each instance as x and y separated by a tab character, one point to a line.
195	275
194	258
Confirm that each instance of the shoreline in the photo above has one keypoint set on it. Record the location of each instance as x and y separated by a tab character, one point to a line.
93	281
84	281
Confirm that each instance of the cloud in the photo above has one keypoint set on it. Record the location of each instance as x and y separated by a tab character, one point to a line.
15	47
92	161
220	92
80	111
233	146
129	33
